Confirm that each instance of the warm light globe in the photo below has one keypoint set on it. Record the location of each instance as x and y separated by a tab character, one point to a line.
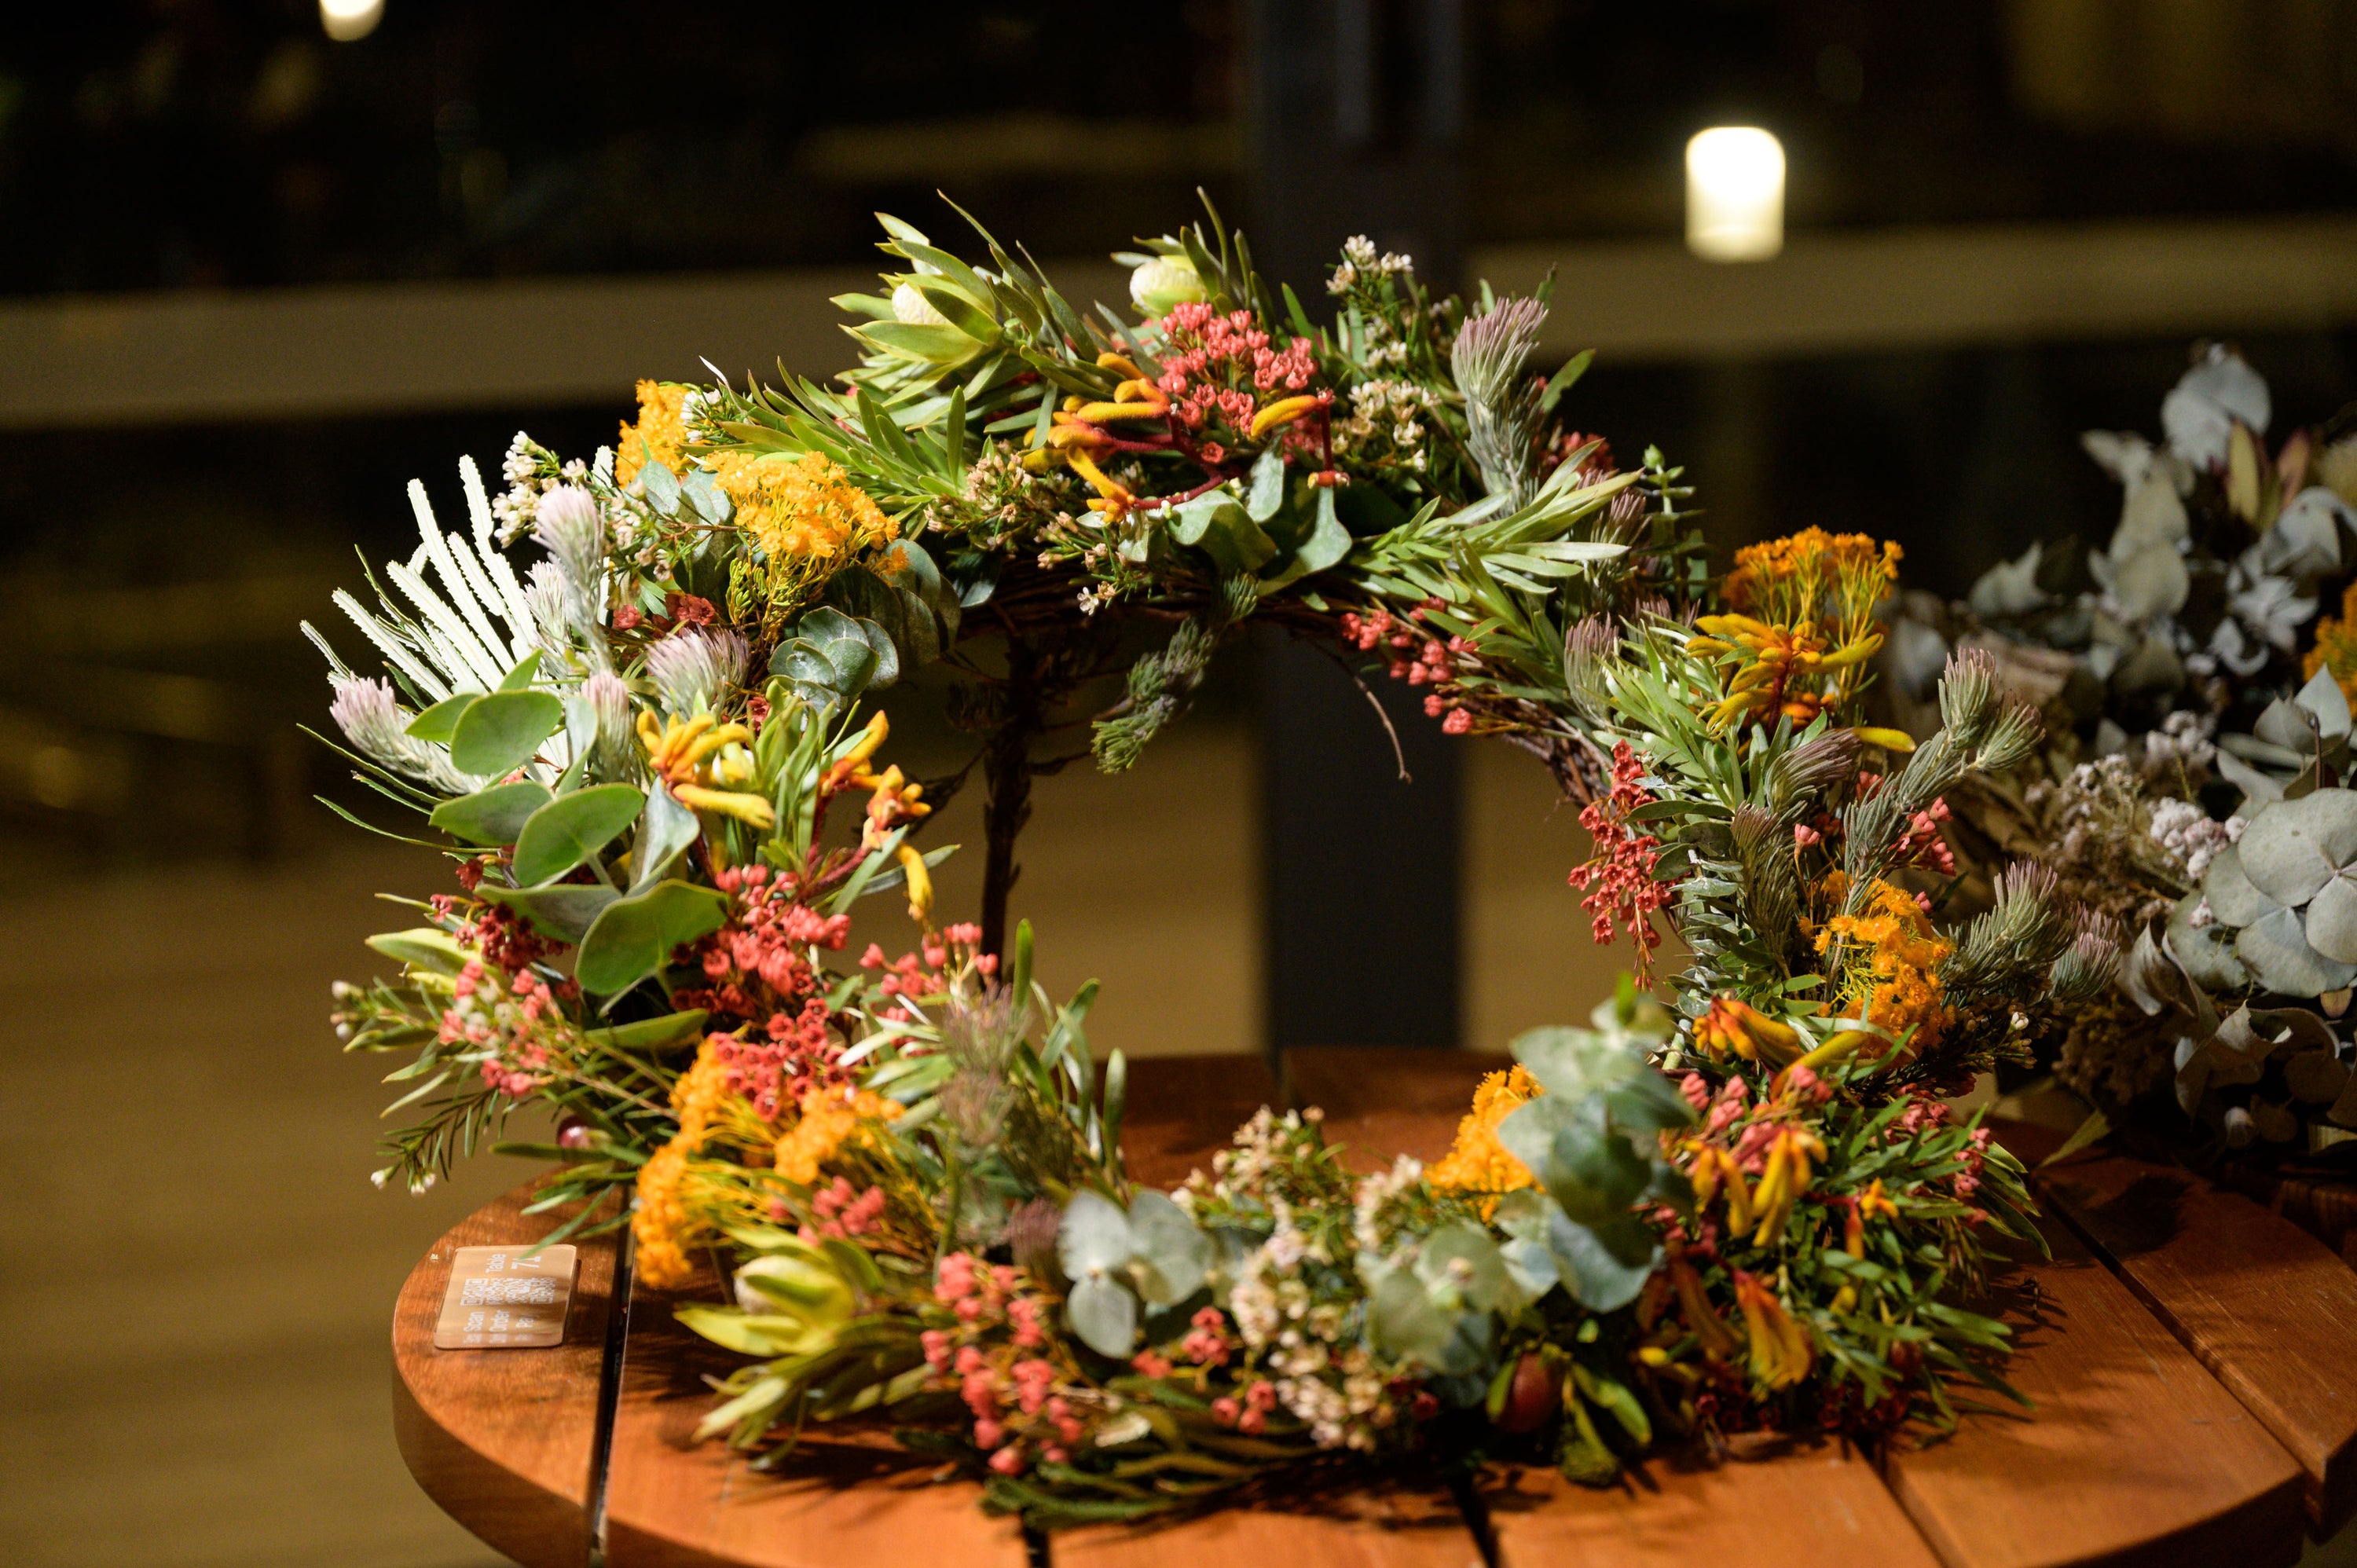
345	20
1734	194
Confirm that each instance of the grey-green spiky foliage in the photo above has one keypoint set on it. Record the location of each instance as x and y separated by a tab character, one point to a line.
1728	816
1503	409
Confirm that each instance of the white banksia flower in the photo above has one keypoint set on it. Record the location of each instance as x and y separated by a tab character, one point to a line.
378	727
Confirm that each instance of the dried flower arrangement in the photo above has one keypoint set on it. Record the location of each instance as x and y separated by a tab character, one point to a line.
1744	1205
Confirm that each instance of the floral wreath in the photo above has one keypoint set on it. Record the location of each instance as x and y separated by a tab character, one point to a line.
1736	1200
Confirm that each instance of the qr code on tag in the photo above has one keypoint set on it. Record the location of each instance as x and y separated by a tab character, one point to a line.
509	1292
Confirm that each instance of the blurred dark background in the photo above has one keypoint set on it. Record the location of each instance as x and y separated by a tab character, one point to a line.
255	278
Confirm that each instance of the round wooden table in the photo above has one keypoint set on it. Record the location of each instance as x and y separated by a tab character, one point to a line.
2190	1356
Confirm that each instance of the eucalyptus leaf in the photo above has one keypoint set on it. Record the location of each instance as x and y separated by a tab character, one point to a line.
1603	1266
1175	1252
1104	1314
2291	849
564	912
567	831
1094	1237
665	830
2277	951
437	722
499	734
635	936
492	816
2234	899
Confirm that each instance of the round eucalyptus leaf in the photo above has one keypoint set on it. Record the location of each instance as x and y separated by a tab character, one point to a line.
1094	1237
2205	952
2317	1077
2277	953
2291	849
1177	1254
1594	1172
1103	1314
1603	1266
571	828
1465	1254
2232	897
2151	581
2331	920
499	734
2275	1123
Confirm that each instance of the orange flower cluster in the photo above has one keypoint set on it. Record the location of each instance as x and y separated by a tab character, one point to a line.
830	1117
2336	646
1789	580
1899	987
807	517
1478	1162
662	429
663	1224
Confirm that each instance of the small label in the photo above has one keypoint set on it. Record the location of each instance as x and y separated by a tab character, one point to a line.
505	1298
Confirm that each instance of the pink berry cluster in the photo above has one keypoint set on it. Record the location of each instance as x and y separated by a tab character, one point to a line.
998	1356
515	1015
1618	878
843	1212
925	972
762	980
1218	362
1414	655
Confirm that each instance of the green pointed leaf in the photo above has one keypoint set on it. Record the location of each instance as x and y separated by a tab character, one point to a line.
499	734
571	828
520	677
636	936
425	947
665	830
652	1034
492	816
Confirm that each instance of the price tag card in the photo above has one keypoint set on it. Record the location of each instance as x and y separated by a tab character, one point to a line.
505	1298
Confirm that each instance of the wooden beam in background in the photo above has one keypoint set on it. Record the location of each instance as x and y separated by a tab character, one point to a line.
273	354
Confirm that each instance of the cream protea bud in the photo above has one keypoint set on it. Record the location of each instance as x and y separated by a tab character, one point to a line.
615	751
1158	287
692	670
911	308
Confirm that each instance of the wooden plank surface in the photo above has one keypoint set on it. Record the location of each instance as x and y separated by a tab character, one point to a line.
1381	1101
1183	1109
2261	1303
500	1439
1814	1505
1402	1525
671	1503
2133	1454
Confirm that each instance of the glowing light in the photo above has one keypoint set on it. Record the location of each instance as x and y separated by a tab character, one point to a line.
1734	194
345	20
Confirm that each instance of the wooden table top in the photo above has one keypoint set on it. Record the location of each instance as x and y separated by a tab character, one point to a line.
2189	1352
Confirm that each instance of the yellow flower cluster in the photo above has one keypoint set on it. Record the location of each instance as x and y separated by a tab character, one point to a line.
807	517
830	1118
663	1223
1478	1163
662	428
1898	988
2336	645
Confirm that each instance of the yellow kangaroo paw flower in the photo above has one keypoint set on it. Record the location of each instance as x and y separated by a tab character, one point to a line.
1110	360
1284	411
920	882
1888	739
1101	413
753	811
